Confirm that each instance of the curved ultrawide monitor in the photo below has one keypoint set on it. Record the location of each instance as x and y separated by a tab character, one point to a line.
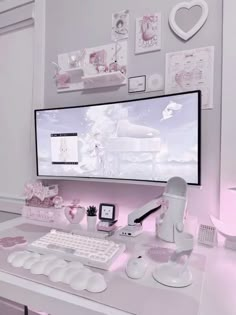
143	140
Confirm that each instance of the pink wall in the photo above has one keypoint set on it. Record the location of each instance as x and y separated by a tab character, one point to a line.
127	196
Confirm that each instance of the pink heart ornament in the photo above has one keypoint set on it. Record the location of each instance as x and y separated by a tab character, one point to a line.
74	214
188	5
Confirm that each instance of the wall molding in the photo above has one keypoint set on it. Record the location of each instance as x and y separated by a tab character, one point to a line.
13	27
39	52
9	203
13	4
17	17
228	151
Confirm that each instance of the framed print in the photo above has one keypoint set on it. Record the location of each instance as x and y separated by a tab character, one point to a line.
120	25
107	212
190	70
148	33
137	84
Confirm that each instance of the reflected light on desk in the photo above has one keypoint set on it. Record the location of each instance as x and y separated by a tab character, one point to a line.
120	262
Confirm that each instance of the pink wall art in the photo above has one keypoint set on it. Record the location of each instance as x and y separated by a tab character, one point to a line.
148	33
120	25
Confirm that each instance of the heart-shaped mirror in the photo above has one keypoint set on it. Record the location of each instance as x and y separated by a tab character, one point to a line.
186	35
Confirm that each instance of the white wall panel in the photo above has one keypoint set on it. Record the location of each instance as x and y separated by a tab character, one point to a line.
16	80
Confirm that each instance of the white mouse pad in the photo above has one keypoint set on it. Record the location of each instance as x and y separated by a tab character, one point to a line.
133	296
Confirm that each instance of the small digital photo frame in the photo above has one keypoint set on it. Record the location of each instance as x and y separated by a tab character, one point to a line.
107	215
107	212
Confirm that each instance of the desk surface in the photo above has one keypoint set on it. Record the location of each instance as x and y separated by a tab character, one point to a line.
217	297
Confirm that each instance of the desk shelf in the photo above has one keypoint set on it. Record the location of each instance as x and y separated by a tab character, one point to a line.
95	81
104	79
75	70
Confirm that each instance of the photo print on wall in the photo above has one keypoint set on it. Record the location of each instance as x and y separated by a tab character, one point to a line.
148	33
120	25
190	70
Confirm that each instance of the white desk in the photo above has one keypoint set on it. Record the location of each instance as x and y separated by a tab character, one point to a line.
217	298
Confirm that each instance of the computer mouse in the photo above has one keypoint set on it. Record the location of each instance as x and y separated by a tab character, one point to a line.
13	255
52	264
38	267
80	281
30	261
57	274
136	267
20	259
96	283
71	273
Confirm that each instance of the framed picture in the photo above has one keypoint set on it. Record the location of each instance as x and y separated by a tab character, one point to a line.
148	33
120	25
137	84
107	212
155	82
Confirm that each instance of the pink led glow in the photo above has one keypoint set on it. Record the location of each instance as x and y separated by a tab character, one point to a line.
228	204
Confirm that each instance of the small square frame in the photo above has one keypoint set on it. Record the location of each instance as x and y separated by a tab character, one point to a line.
143	84
100	211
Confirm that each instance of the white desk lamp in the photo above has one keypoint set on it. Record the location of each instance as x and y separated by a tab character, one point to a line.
176	273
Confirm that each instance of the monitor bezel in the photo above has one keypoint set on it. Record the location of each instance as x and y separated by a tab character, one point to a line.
120	180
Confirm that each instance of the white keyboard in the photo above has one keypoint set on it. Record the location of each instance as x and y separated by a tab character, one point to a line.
91	251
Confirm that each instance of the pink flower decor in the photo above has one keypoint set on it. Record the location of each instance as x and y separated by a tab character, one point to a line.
58	202
36	202
10	242
39	190
29	191
36	189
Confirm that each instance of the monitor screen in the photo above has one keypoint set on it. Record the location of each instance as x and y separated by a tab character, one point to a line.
151	139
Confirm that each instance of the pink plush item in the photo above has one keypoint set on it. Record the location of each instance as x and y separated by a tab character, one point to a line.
10	242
